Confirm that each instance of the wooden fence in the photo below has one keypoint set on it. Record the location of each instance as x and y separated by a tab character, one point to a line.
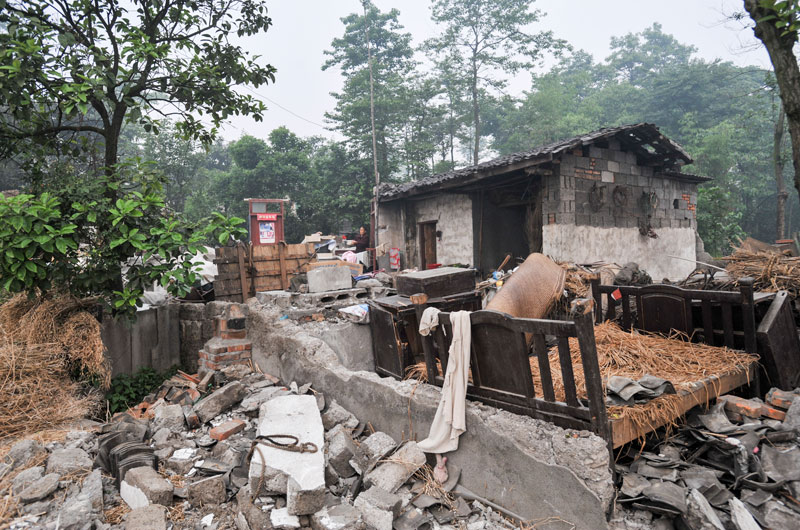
249	269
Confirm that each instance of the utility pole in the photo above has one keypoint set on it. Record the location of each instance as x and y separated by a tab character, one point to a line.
372	119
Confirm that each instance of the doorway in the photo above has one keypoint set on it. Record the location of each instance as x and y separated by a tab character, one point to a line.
427	244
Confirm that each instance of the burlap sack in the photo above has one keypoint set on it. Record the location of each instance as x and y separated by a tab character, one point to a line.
532	290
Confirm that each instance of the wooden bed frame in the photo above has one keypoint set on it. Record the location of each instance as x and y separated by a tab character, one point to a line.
501	373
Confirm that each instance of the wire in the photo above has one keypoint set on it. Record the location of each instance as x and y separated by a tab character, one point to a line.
284	108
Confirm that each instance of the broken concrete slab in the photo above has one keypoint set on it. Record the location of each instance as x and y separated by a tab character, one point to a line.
338	415
339	517
777	515
375	517
24	451
40	488
324	279
66	461
380	498
25	478
169	417
151	517
340	451
376	446
281	519
92	490
209	491
156	489
397	469
299	475
219	401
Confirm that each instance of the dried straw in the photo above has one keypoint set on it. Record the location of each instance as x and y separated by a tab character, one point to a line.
771	270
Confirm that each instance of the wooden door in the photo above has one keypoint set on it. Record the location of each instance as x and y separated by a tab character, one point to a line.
427	244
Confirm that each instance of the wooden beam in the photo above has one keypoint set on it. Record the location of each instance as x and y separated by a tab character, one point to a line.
282	256
242	270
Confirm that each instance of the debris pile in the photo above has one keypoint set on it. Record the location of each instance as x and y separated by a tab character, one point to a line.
736	466
771	270
261	455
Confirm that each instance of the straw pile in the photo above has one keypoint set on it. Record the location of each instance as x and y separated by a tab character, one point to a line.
43	343
771	270
633	354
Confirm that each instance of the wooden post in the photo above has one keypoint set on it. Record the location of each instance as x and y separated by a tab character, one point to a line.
251	267
581	314
242	270
748	315
420	302
282	256
594	283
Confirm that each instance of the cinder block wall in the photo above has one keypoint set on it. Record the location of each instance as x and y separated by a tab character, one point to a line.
592	210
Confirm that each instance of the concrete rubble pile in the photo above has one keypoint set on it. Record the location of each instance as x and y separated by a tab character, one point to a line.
735	466
259	455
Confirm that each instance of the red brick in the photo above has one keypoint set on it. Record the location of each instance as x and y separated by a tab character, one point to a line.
227	429
233	334
193	394
751	409
780	398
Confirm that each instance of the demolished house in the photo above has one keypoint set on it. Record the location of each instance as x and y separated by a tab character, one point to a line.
615	193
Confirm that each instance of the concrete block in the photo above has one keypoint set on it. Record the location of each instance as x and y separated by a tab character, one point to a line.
382	499
155	488
329	279
220	401
169	417
65	461
340	451
40	488
300	475
374	516
152	517
281	519
208	491
376	446
340	517
393	473
335	415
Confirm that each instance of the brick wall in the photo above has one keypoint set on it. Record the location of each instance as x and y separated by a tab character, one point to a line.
604	187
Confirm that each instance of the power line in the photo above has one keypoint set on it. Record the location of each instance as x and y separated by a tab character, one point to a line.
284	108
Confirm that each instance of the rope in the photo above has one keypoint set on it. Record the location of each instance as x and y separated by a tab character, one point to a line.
294	445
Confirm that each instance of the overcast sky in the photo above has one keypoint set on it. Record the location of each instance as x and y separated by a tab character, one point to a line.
303	29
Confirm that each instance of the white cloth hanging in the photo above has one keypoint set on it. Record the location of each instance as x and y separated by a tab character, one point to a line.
450	420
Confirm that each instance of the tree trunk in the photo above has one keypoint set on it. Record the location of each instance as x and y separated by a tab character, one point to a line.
779	47
778	163
476	113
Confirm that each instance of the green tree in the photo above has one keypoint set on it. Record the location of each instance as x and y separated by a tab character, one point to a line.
481	40
392	63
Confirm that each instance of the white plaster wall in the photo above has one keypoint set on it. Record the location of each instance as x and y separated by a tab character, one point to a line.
587	244
390	225
453	216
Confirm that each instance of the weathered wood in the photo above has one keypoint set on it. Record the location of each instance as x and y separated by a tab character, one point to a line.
437	282
240	251
265	253
542	357
779	345
581	312
282	260
623	430
385	342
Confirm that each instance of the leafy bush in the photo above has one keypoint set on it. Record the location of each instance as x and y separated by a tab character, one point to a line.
129	390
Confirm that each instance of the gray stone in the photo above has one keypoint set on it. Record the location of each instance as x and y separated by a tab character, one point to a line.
369	282
374	516
740	516
255	517
220	401
376	446
4	469
392	474
152	517
156	489
25	478
339	517
281	519
380	498
777	515
340	451
92	490
40	488
161	436
179	465
209	491
299	475
699	513
65	461
324	279
74	514
24	451
336	415
254	401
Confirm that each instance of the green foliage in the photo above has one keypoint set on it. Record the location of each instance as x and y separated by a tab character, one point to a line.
718	219
78	240
129	390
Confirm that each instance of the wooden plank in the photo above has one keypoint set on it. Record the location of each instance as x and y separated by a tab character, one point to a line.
265	253
567	377
540	350
623	430
778	344
282	256
242	271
